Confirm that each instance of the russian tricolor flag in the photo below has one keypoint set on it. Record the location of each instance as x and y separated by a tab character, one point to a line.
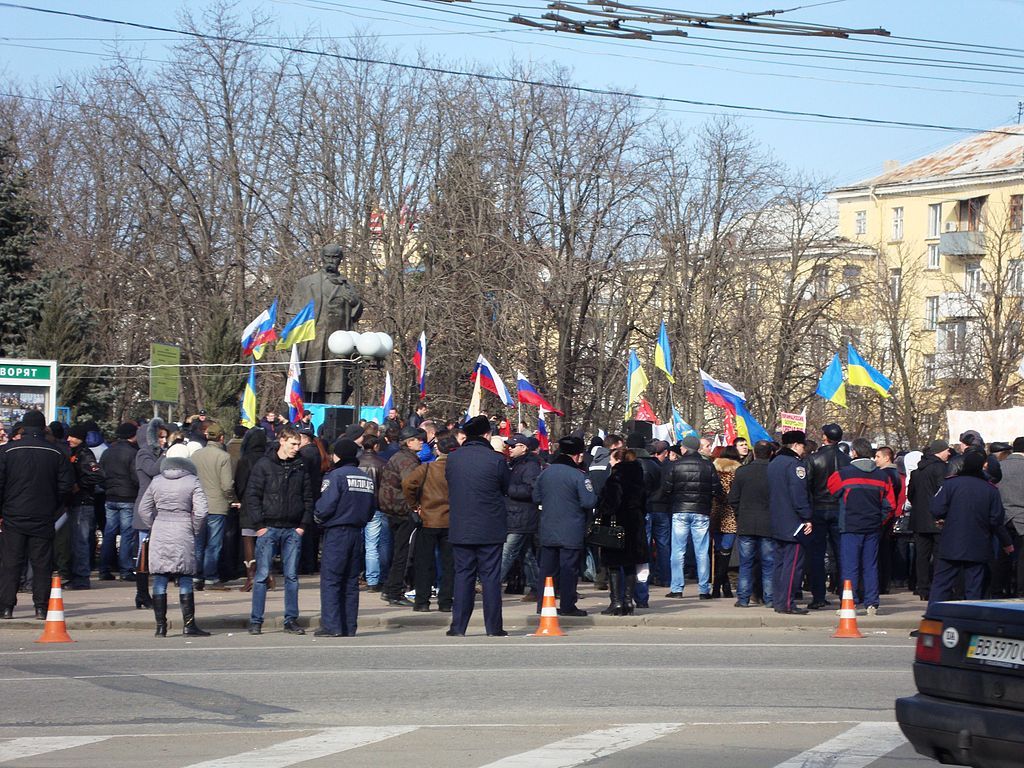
721	394
542	432
259	332
293	391
419	361
528	394
388	401
490	380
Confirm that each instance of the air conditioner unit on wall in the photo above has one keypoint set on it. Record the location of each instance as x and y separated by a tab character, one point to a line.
951	226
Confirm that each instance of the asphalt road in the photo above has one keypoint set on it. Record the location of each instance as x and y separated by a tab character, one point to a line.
635	697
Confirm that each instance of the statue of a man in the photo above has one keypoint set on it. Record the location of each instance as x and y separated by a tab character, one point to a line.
338	307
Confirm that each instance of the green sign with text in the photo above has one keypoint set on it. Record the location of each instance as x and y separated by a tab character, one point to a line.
165	374
25	372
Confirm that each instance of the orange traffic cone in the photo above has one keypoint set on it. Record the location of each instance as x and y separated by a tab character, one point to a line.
847	614
548	626
56	630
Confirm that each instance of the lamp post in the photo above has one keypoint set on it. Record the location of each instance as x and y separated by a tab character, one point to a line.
357	351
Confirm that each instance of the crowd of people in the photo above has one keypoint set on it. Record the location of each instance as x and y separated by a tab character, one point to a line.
420	511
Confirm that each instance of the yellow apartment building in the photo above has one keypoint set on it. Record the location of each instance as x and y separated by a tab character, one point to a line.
947	228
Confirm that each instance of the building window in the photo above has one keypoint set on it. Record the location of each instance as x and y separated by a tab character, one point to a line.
934	259
897	223
953	337
1016	212
819	281
851	280
1015	277
972	279
895	283
934	219
860	223
929	370
931	312
972	214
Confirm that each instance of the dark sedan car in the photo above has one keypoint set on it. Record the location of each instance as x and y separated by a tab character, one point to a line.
969	670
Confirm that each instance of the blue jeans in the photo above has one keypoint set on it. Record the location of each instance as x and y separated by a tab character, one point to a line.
119	522
83	522
208	545
516	543
659	530
858	560
686	526
377	540
289	542
750	547
160	581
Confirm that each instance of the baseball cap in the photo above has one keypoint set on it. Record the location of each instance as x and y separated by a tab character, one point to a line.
832	432
517	439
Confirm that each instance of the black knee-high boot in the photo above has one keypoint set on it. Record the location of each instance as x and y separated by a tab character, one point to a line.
629	587
160	611
188	613
722	558
142	598
615	591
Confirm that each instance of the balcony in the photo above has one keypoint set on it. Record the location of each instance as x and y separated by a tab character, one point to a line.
958	304
962	243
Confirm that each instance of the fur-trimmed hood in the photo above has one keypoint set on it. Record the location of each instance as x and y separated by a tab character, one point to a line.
173	467
149	437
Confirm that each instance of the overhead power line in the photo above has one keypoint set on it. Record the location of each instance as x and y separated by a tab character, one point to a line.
487	77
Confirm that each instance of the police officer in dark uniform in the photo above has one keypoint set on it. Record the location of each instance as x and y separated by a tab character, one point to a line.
566	496
345	506
790	511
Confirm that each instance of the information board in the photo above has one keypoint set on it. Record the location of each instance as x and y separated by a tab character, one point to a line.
165	375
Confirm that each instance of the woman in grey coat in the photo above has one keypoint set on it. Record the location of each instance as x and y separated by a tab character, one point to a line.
174	508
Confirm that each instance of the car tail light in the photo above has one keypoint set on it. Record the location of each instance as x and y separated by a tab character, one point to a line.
929	641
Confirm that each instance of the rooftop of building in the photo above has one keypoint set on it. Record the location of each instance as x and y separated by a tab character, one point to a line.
997	151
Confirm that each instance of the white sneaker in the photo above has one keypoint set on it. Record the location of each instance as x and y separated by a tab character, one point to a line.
872	610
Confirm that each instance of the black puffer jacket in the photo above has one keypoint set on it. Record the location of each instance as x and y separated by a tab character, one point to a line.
88	476
279	494
654	472
118	463
925	482
35	476
523	515
820	466
689	485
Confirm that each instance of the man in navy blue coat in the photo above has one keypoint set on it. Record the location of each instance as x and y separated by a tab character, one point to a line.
478	478
345	506
970	511
566	496
790	509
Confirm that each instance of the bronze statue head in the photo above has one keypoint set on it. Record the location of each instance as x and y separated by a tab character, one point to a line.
330	257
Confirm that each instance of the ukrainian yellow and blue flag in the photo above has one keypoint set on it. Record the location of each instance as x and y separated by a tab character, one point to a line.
636	381
249	399
300	328
832	387
860	374
662	354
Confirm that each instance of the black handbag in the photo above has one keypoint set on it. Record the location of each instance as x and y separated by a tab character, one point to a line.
612	536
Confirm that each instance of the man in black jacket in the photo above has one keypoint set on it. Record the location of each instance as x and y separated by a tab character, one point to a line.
279	501
748	495
825	533
82	517
688	487
399	513
34	478
523	515
122	485
925	482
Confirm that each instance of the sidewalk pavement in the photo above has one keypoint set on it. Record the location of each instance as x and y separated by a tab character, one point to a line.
111	605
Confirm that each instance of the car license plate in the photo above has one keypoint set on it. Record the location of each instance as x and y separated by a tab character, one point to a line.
997	650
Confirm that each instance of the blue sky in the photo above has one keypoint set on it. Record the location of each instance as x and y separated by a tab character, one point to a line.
982	91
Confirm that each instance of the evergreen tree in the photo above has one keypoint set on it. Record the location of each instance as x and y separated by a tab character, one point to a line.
21	225
221	386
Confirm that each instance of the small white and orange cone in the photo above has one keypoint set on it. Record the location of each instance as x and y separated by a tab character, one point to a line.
548	626
55	631
847	614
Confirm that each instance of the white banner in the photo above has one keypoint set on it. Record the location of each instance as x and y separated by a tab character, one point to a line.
1003	425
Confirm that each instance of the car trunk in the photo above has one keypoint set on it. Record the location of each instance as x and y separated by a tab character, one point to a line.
981	659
